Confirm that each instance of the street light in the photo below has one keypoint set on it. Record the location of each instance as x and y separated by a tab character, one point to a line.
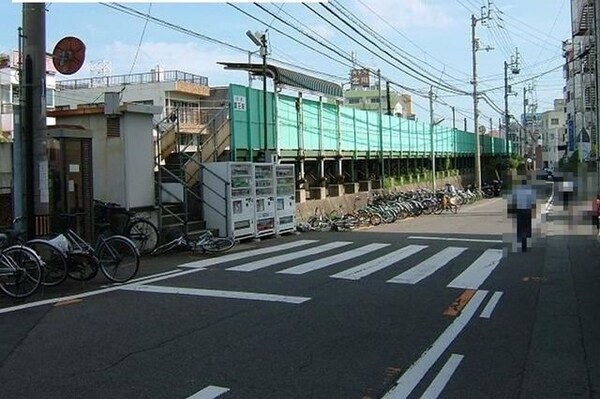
260	40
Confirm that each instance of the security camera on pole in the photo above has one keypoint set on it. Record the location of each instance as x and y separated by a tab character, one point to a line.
260	39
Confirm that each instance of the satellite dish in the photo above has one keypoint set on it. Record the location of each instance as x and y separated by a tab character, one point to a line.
68	55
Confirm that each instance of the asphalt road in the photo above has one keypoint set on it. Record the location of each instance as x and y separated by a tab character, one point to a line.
434	306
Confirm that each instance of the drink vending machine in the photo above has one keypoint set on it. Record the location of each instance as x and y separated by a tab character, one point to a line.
265	199
228	198
285	212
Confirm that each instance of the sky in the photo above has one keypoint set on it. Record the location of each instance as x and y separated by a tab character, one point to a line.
417	44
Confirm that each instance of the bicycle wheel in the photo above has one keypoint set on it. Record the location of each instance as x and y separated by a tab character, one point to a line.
20	271
144	235
81	266
219	245
54	262
119	258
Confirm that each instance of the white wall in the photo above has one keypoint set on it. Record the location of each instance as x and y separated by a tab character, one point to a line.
139	160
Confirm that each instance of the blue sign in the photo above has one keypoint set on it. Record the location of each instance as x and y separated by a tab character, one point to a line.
570	136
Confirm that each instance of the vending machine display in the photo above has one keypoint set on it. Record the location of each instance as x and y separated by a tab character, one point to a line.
285	210
228	198
265	199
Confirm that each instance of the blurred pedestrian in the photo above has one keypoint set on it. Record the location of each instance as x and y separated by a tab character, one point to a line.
522	203
595	213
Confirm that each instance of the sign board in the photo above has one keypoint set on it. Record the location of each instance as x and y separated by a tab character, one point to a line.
570	136
360	77
239	103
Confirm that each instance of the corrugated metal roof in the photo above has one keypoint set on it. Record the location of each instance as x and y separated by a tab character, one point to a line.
287	77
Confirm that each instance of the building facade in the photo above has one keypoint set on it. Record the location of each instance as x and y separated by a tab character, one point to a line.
172	90
553	134
10	92
580	75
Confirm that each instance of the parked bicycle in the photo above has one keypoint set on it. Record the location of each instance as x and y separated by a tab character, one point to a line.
121	221
20	269
54	262
206	242
117	256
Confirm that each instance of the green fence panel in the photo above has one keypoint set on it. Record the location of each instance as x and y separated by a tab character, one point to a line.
324	124
330	127
288	123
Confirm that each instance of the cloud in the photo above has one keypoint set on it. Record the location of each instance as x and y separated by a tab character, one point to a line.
323	30
405	13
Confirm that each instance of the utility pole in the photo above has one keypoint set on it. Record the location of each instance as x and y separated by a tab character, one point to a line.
514	67
453	119
431	127
597	60
381	128
35	144
388	97
523	140
485	15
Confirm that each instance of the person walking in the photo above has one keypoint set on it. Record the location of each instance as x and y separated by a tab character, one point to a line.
595	213
522	204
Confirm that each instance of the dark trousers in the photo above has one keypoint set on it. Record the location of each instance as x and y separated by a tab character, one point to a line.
523	226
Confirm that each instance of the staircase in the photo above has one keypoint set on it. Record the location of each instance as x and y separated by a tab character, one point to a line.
178	160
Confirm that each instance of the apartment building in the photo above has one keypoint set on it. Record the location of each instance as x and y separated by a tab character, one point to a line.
9	91
580	75
170	89
553	134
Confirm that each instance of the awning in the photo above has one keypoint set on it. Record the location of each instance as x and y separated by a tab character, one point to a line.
286	77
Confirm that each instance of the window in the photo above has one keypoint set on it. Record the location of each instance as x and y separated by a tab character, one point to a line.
374	100
5	94
554	121
354	101
50	98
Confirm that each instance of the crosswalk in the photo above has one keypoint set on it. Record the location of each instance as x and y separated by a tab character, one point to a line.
414	263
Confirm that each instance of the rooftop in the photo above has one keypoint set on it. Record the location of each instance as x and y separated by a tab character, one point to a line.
155	76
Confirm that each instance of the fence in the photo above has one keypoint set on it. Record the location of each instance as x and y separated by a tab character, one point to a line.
322	126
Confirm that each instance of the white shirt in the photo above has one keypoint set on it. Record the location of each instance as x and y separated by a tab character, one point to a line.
523	197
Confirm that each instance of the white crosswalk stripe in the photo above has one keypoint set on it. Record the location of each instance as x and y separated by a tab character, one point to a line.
262	263
479	271
330	260
471	278
428	266
380	263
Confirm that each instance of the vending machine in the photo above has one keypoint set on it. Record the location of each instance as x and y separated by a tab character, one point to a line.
285	208
228	198
264	192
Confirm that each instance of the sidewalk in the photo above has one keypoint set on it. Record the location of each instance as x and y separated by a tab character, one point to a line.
564	353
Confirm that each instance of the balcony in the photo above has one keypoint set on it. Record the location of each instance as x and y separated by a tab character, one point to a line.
187	79
191	119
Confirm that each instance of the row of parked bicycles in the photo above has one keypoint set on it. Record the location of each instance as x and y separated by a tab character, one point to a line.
25	265
122	236
391	206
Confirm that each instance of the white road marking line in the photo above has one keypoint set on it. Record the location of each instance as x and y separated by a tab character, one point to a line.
453	239
411	378
95	292
439	383
246	254
253	296
137	280
262	263
209	392
479	270
428	266
489	308
333	259
377	264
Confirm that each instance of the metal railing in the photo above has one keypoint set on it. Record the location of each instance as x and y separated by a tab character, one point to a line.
132	79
